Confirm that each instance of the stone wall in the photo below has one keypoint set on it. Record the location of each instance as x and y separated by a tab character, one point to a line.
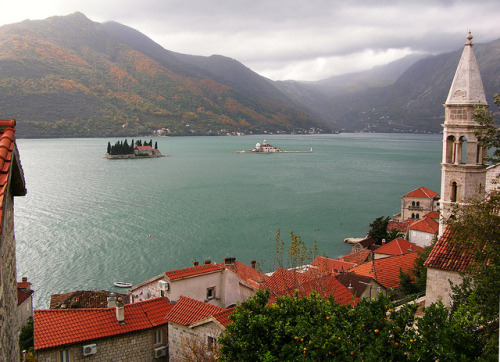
438	286
184	340
9	344
132	347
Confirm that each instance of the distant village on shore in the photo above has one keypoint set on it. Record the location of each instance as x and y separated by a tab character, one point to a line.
158	318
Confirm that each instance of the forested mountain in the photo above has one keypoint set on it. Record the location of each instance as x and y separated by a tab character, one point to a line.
70	76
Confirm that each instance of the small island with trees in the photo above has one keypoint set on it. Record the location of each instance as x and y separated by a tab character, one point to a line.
137	149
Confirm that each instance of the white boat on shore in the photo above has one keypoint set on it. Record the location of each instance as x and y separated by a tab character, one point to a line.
122	284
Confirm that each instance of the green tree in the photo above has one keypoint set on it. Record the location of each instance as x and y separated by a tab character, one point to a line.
315	329
378	229
490	136
109	148
296	253
415	280
26	335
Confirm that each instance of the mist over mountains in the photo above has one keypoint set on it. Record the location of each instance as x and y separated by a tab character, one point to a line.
72	77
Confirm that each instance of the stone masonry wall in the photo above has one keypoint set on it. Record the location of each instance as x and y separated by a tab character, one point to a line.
438	286
183	339
9	344
133	347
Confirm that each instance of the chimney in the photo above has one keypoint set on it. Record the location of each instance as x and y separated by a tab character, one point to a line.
383	241
227	261
120	311
25	279
195	263
111	300
208	261
253	263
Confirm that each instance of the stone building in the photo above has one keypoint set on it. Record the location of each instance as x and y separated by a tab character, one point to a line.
132	332
415	204
11	184
463	167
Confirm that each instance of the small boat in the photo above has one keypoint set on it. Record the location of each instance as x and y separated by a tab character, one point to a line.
122	284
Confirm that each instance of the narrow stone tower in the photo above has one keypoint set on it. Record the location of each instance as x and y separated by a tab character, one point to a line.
463	169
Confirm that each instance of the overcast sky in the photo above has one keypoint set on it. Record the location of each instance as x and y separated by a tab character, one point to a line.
288	39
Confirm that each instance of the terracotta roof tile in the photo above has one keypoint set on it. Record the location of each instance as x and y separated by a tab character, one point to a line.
223	317
22	295
284	279
357	282
422	192
325	286
187	311
246	273
358	257
386	271
433	215
398	246
426	225
83	299
332	265
57	327
192	271
446	255
398	225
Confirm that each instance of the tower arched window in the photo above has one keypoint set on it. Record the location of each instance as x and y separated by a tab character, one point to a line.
418	216
453	192
450	152
413	203
462	150
413	215
418	203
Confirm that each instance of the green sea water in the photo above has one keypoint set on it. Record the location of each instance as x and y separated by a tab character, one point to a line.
88	221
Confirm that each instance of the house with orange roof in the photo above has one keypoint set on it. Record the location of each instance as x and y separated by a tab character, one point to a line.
360	285
221	284
418	202
358	257
332	265
24	302
444	264
398	246
423	232
194	327
12	184
135	331
401	226
386	271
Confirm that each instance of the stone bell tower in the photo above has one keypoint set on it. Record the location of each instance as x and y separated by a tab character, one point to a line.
463	169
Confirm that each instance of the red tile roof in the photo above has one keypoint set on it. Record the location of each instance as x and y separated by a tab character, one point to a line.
193	271
422	192
447	255
432	215
22	295
8	154
332	265
187	311
83	299
57	327
357	257
326	285
284	279
398	225
398	246
246	273
357	282
426	225
223	317
386	271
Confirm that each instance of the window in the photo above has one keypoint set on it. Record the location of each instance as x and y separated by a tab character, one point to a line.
212	342
453	192
210	293
64	356
157	336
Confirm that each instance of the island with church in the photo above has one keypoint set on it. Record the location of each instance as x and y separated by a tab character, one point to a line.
265	147
137	149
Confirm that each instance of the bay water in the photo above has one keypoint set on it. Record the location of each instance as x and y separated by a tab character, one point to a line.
88	221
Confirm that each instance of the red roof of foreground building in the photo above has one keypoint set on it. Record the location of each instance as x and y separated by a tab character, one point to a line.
447	255
223	317
22	295
426	225
84	299
193	271
433	215
422	192
332	265
10	168
386	271
284	279
398	246
187	311
57	327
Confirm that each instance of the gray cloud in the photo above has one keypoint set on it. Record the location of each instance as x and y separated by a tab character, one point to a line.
298	39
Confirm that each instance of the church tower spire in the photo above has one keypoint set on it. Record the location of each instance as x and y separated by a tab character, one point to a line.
463	169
